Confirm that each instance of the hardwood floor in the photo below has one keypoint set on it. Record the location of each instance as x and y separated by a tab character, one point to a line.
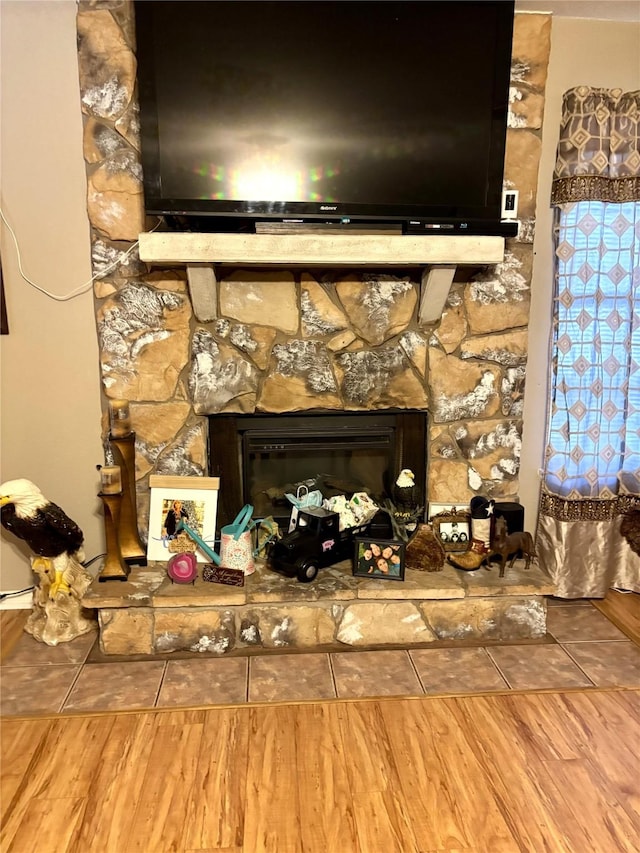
11	628
547	772
623	609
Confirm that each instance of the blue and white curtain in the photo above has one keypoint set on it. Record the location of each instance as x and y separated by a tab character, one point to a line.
590	503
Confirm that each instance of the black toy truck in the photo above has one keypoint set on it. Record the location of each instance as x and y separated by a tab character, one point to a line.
315	542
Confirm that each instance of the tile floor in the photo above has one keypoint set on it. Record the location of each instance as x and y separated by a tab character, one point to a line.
583	650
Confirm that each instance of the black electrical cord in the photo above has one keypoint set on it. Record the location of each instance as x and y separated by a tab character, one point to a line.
17	592
86	564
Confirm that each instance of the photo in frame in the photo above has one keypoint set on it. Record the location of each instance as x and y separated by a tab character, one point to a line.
193	500
379	559
453	529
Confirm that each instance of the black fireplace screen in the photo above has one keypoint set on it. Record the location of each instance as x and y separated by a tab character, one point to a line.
261	458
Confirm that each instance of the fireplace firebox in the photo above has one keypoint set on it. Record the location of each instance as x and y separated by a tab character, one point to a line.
259	458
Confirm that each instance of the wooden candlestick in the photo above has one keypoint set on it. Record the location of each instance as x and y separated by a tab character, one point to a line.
114	569
132	549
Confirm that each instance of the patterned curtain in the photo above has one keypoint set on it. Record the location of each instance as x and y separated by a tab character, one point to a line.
588	534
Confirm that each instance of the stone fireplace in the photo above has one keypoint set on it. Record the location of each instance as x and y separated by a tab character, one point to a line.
277	340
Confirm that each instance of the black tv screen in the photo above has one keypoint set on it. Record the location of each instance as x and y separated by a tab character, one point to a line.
325	111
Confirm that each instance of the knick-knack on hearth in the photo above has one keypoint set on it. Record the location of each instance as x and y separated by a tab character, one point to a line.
509	545
56	542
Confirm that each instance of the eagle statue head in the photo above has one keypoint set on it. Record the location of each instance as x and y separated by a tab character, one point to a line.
32	517
25	496
406	479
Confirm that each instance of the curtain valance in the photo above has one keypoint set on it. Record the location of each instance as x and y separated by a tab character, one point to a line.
598	156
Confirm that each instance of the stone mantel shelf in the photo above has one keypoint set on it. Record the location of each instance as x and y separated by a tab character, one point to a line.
437	254
320	249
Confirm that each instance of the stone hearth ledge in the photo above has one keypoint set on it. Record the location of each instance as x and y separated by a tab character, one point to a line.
148	614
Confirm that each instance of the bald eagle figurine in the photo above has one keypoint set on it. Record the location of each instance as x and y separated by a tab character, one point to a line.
53	537
404	491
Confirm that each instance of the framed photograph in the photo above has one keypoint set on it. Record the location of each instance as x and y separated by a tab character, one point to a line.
382	559
193	500
436	509
453	529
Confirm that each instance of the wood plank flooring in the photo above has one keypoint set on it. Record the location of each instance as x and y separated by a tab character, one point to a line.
550	772
623	609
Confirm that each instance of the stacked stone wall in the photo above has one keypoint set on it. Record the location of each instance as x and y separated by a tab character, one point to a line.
295	340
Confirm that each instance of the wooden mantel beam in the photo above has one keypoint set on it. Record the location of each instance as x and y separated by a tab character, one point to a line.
361	250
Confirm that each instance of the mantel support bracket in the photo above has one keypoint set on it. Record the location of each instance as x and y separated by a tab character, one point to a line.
203	289
434	290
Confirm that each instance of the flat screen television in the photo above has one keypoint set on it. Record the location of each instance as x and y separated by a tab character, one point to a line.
387	113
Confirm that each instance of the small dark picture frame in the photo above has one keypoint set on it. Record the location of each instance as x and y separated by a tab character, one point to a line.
379	559
453	529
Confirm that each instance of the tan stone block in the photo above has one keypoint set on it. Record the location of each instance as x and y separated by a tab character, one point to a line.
508	348
159	423
477	440
320	315
296	626
449	482
221	380
416	585
263	339
522	158
404	391
198	594
341	341
136	591
126	631
444	447
144	364
334	583
378	379
452	328
377	308
462	389
118	215
517	581
200	629
378	622
261	298
414	346
292	394
355	346
129	125
499	298
102	288
195	445
526	109
495	618
531	47
106	63
172	280
100	141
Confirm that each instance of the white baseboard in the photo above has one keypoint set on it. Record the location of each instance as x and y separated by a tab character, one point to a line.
16	602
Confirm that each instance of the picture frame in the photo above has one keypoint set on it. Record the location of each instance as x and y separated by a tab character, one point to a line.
453	529
370	554
192	499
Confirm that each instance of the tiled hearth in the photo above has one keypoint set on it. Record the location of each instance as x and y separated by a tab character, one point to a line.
582	649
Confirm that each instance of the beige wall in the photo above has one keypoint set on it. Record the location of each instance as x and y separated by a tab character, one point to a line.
53	436
50	382
593	53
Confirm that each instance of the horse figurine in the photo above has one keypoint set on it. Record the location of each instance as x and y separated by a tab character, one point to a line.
509	544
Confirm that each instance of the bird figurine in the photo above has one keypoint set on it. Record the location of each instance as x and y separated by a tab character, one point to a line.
56	542
404	490
47	530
